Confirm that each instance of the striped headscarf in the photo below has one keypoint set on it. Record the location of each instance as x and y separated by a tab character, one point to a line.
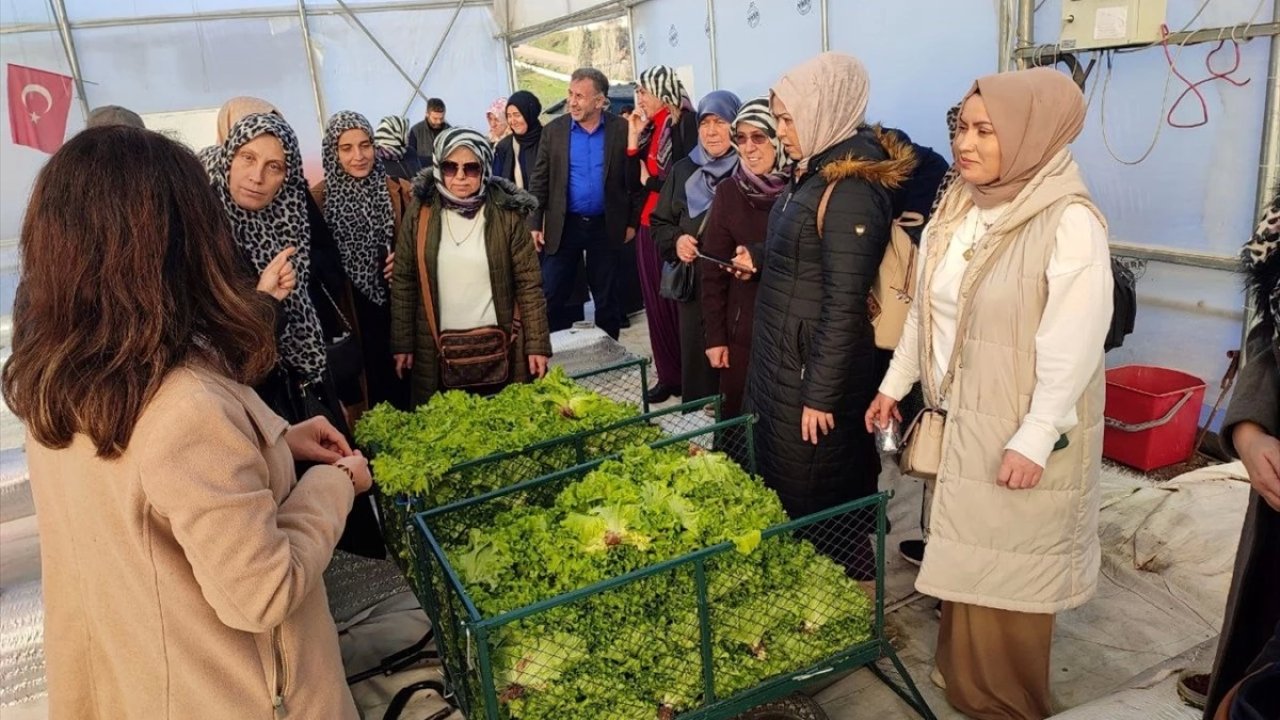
358	210
262	234
663	83
446	143
768	187
392	137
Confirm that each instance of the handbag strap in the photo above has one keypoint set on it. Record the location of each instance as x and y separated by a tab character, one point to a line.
424	283
424	221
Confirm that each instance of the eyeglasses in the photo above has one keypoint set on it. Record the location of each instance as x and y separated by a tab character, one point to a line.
755	138
451	168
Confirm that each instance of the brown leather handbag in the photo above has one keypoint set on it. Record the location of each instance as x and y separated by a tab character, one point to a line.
468	358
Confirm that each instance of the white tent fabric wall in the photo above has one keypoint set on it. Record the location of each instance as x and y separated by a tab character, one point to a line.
756	40
674	33
188	64
1195	192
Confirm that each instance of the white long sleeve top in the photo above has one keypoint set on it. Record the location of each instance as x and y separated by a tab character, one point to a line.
1076	319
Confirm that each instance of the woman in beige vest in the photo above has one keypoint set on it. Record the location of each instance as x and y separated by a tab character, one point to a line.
1006	333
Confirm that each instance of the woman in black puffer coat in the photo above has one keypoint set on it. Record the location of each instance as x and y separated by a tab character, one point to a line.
814	364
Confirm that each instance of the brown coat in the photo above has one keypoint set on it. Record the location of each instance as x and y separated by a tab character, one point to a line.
183	579
514	276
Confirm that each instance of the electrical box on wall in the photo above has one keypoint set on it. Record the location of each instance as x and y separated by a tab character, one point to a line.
1096	24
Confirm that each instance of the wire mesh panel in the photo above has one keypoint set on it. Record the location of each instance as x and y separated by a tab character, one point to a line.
625	382
660	583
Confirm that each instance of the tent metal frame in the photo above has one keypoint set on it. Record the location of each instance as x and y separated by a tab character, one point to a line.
1024	53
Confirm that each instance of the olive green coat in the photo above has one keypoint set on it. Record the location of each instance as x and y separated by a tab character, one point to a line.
514	275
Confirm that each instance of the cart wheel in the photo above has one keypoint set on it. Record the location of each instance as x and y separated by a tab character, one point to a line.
793	707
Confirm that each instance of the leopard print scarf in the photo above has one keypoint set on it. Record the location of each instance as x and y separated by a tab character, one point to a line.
261	235
358	211
953	121
1261	256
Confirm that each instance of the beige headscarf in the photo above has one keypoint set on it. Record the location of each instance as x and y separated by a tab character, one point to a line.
1036	113
238	107
827	98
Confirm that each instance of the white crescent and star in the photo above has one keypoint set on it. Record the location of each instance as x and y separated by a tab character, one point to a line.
37	90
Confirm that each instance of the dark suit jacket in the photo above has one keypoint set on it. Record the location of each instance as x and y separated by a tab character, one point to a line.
623	197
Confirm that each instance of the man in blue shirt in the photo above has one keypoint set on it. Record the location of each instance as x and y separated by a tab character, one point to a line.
588	200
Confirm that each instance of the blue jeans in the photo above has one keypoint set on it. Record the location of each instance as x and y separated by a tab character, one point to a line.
559	271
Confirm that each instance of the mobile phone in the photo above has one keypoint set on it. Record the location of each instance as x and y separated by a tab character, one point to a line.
719	261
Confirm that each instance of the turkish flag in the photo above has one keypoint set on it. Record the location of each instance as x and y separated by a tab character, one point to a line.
39	101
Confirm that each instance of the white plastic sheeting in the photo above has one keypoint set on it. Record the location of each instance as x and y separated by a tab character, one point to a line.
190	64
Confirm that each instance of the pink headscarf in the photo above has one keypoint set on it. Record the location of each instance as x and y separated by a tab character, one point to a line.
498	111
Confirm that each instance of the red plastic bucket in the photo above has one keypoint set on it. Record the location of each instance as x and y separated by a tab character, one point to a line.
1152	415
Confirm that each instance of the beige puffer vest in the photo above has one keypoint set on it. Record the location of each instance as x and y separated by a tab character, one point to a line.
1031	550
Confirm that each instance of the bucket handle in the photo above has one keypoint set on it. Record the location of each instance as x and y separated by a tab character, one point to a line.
1139	427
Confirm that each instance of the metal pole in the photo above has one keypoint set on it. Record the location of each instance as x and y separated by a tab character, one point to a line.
311	66
711	21
1269	161
69	46
1026	29
1003	23
435	54
631	30
826	28
347	11
1240	33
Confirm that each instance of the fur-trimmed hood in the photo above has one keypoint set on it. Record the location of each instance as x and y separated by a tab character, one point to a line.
500	191
876	155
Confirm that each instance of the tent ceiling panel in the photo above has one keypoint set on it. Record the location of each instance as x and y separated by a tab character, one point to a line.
82	10
25	12
525	14
674	33
745	27
194	65
468	74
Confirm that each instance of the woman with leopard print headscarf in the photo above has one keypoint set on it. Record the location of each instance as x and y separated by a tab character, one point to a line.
1250	431
257	176
363	207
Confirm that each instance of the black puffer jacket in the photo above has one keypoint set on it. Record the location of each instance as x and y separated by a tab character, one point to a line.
813	344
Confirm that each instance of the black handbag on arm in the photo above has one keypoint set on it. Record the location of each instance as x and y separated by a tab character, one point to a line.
679	279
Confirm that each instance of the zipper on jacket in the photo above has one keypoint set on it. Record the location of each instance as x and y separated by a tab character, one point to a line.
280	670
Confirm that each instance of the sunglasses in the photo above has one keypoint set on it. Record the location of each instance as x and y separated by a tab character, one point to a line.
451	168
756	138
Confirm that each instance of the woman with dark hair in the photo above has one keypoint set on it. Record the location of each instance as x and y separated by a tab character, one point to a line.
257	176
182	556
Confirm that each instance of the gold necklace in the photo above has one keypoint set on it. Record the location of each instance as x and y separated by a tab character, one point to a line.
986	227
453	235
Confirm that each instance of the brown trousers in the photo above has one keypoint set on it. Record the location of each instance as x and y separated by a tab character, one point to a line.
995	662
